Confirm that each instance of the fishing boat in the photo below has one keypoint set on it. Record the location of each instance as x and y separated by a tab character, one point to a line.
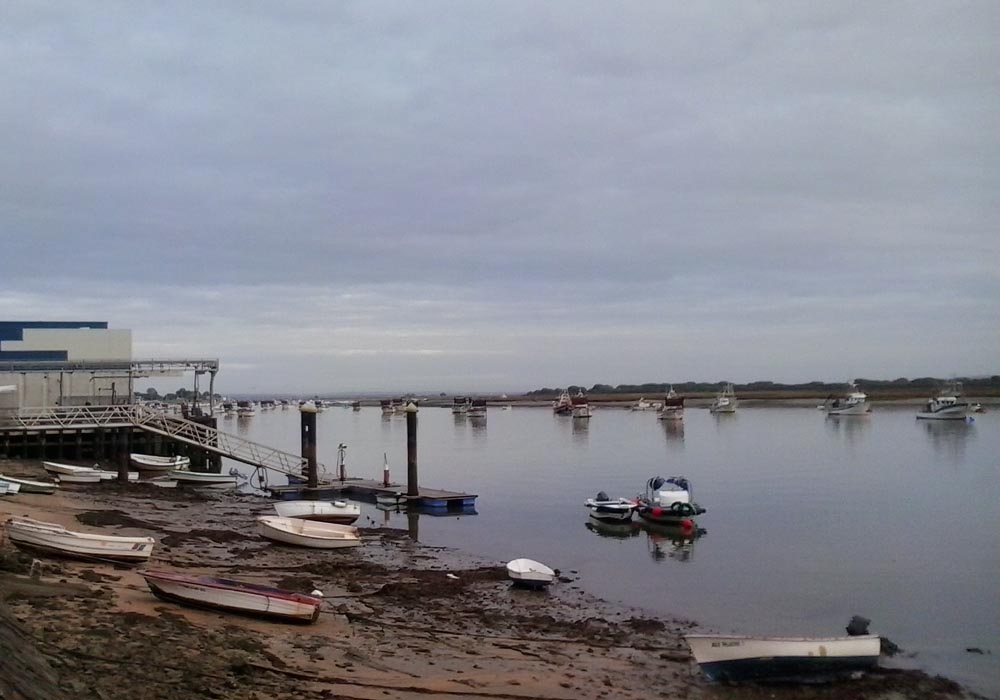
733	658
725	401
477	408
642	405
186	477
71	474
581	405
154	463
946	405
31	486
306	533
855	403
245	409
460	405
610	510
55	539
529	573
233	596
323	511
667	501
387	407
563	406
672	407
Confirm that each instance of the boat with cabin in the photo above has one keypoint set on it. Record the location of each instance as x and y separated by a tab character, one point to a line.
460	405
854	403
725	401
672	407
245	409
667	501
581	405
563	406
233	596
642	405
947	405
477	408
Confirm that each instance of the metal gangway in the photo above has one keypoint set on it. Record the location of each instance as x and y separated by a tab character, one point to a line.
140	416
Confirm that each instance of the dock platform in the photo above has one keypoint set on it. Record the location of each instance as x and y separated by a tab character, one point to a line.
369	490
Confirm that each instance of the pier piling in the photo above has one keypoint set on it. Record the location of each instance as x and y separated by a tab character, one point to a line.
412	485
308	413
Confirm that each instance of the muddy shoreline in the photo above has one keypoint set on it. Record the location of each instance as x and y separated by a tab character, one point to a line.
400	620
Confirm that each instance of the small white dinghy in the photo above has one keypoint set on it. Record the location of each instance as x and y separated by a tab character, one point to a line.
530	573
734	658
308	533
109	475
183	477
153	463
30	486
8	488
72	474
323	511
55	539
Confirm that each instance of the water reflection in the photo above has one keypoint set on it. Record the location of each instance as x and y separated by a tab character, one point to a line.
581	429
617	531
851	427
949	437
722	419
672	542
478	424
674	431
243	425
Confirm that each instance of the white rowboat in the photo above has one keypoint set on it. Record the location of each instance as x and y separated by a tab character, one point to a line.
29	486
8	488
211	479
530	573
55	539
307	533
153	463
233	596
742	658
323	511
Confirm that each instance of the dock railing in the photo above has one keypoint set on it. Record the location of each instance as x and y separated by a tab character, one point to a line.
140	416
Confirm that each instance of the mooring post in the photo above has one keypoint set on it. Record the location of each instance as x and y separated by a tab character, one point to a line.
308	413
412	487
123	458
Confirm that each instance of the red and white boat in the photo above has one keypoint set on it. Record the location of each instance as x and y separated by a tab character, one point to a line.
673	406
233	596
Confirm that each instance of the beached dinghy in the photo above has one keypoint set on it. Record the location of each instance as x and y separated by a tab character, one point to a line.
55	539
741	658
153	463
109	475
530	573
8	488
72	474
233	596
183	477
30	486
324	511
307	533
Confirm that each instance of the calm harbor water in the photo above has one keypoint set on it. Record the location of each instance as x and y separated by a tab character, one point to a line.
810	519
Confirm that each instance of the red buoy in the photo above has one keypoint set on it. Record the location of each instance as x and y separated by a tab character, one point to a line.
657	512
686	524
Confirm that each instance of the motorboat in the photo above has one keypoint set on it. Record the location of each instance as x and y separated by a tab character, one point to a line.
154	463
233	596
186	477
477	408
946	405
672	407
642	405
56	539
71	474
855	403
725	401
529	573
387	407
460	405
733	658
581	405
563	406
324	511
667	501
31	486
245	409
307	533
610	510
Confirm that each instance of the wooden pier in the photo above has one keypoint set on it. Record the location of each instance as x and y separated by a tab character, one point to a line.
369	490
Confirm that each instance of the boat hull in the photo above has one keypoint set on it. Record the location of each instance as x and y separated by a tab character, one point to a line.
233	596
735	658
189	478
320	511
528	573
861	409
29	486
54	539
304	533
152	463
610	511
951	413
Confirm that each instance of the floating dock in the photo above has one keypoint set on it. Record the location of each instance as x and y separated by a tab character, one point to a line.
369	490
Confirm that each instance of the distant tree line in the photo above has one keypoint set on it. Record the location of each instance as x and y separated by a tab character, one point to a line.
969	384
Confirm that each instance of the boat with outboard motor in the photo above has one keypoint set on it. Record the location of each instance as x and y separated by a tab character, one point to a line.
855	403
672	407
667	501
610	510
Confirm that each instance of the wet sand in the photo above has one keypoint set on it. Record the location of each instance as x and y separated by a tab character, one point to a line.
395	623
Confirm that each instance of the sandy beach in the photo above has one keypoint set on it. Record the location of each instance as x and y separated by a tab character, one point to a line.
400	619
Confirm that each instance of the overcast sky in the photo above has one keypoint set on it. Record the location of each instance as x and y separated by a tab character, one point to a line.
476	196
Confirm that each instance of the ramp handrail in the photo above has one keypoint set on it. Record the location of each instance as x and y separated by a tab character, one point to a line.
180	429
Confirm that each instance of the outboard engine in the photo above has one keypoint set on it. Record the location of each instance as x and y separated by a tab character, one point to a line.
601	496
858	626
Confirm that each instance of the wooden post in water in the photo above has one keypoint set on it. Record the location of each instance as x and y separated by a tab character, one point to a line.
308	413
123	457
412	487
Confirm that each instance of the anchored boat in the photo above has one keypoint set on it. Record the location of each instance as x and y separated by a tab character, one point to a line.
667	501
610	510
946	405
725	401
855	403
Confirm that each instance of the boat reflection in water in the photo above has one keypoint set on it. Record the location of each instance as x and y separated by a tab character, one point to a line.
850	426
674	430
664	541
672	541
949	437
